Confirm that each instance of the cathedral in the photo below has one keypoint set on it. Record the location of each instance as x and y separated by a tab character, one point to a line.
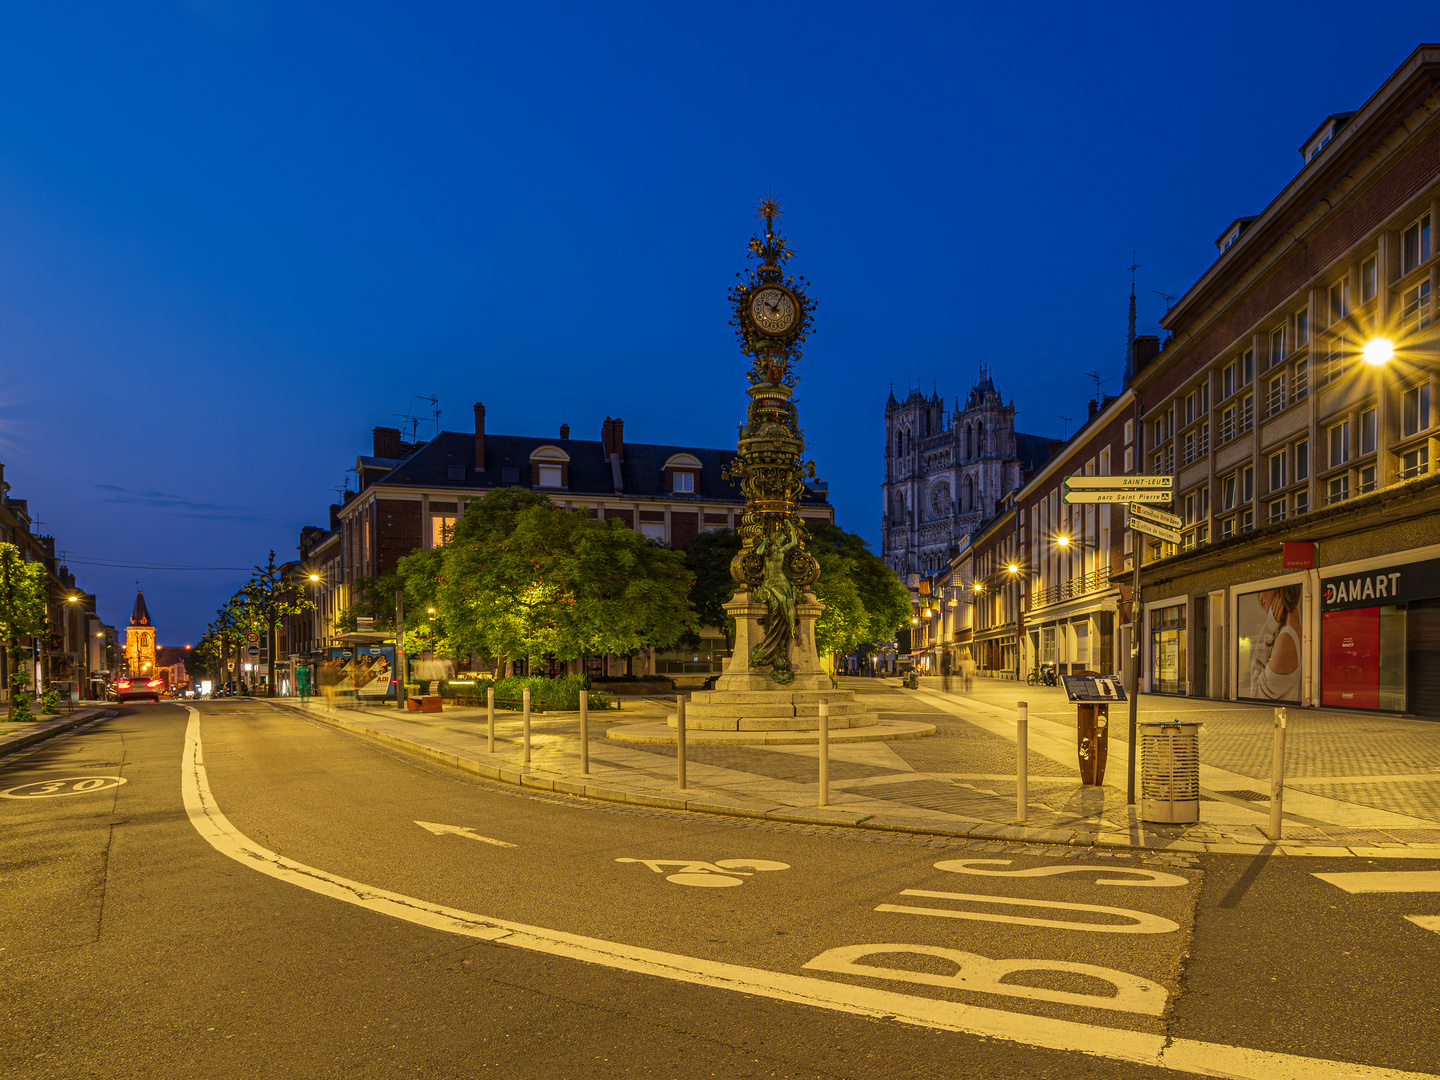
945	475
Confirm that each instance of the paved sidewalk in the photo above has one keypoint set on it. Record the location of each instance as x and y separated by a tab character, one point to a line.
1363	785
16	737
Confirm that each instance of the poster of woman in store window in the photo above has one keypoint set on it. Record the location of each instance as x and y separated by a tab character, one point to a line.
1272	653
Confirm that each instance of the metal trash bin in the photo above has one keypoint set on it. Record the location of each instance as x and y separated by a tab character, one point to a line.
1170	772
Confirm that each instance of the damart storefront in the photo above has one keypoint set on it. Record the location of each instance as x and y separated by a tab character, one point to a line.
1380	636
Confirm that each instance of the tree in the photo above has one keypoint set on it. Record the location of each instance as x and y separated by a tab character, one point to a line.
870	602
523	577
271	595
22	614
708	558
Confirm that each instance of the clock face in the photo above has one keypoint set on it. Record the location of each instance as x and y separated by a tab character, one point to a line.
773	310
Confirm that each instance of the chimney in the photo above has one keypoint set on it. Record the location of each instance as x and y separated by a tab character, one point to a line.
479	437
1094	408
387	442
334	516
612	438
1147	347
564	431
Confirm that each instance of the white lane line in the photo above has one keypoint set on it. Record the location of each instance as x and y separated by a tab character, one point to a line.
1386	881
1184	1055
461	830
1426	922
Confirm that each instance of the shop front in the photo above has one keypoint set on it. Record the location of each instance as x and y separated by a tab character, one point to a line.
1380	637
1167	672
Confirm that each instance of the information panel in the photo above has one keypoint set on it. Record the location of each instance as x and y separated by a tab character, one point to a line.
1093	688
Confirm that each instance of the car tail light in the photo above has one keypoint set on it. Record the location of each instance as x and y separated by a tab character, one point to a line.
154	683
123	684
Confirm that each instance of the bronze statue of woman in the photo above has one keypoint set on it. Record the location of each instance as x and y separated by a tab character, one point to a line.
777	592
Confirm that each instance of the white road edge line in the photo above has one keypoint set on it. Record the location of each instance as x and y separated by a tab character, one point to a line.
1182	1055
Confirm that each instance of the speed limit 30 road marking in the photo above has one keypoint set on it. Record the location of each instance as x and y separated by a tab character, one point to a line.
69	785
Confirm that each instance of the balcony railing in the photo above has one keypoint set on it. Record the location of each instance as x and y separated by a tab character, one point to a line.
1070	588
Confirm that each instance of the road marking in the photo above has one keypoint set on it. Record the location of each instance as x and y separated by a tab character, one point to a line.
1140	922
53	789
1426	922
982	975
460	830
1386	881
714	875
1152	878
1183	1055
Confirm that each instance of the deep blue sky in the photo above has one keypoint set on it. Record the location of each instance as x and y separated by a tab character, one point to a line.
235	236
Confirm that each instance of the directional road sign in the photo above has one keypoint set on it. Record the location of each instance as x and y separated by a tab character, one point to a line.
1157	517
1160	532
1129	496
1105	483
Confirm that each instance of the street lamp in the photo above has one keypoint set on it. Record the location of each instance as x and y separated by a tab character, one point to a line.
1378	351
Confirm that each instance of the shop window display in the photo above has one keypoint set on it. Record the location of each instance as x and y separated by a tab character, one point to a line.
1269	635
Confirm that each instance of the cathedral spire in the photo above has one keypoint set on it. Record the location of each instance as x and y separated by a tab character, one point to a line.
1130	335
141	615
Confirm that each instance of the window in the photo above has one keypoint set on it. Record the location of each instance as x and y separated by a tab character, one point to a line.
1187	453
1129	458
1302	460
1247	484
1275	399
548	476
1302	327
1129	431
1204	498
442	527
1227	493
1278	477
454	472
1367	432
1190	508
1340	444
1415	245
684	483
1159	464
1227	381
1415	307
1247	367
1275	511
1332	358
1277	345
1202	439
1338	490
1415	462
1228	429
1247	413
1367	479
1415	410
1302	502
1227	528
1339	300
1190	408
1368	280
1302	380
1246	520
1105	461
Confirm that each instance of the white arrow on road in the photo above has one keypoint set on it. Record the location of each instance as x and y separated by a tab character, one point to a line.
1391	881
460	830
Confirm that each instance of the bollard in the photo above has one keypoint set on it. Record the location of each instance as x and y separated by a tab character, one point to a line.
824	753
525	699
1022	760
680	742
584	732
1277	777
490	714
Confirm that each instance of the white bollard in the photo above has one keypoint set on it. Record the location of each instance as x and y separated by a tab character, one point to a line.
824	753
1022	760
680	742
525	701
1277	777
490	714
584	732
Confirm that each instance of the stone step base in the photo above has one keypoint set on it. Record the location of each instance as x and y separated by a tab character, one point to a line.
847	708
773	723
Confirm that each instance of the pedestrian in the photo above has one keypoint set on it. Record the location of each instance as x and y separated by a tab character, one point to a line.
967	671
329	676
302	682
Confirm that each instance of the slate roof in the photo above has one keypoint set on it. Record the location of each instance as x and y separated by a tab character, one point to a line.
1032	450
141	615
507	463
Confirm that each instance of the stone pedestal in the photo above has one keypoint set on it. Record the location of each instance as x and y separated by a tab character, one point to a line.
746	698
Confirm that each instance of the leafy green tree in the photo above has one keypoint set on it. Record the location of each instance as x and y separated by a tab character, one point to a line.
22	614
865	600
708	558
270	595
522	577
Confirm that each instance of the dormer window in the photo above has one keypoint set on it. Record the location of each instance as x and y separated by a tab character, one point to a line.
682	474
550	467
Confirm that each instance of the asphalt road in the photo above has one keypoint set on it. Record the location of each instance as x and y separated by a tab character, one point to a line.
283	913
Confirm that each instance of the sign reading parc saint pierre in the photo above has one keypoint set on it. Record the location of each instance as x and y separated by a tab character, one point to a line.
1381	587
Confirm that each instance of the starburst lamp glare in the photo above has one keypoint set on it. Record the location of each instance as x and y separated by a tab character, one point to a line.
1379	351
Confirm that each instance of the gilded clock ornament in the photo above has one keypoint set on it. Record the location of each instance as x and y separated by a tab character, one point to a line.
773	310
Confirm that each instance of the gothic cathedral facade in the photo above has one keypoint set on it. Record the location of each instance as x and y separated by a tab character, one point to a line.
945	475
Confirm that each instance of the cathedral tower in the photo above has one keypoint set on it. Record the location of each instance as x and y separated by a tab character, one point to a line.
140	639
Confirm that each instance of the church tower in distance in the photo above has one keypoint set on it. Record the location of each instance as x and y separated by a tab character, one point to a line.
140	640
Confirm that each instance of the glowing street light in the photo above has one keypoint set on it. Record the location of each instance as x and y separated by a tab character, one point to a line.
1378	351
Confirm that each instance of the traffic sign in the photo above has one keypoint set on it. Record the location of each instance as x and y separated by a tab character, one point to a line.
252	637
253	650
1157	517
1129	496
1105	483
1157	531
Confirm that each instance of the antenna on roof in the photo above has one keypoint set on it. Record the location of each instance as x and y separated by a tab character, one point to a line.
434	404
1169	300
408	419
1067	424
1099	382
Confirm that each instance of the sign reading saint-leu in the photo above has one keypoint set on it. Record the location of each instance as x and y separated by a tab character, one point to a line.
772	316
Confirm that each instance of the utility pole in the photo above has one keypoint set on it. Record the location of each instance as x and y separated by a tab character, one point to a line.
1136	621
399	672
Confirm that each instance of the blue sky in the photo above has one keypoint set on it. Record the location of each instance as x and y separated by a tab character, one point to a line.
235	236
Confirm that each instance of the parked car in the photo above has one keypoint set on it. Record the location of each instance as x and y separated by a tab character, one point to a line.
137	689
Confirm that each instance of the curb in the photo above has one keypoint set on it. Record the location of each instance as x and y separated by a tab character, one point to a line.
38	733
1135	839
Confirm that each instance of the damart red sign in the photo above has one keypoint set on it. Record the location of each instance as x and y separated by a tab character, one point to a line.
1381	587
